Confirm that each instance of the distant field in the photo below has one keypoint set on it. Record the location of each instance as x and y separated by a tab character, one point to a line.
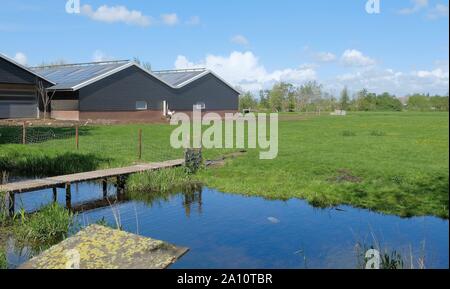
390	162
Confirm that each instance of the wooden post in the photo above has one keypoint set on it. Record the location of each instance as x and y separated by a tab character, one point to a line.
11	203
24	133
140	144
77	138
68	196
55	195
105	188
121	181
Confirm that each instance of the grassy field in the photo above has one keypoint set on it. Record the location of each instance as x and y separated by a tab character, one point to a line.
390	162
99	147
395	163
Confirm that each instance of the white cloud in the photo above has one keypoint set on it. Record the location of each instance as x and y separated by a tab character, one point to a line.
21	58
114	14
400	83
325	56
440	10
243	69
194	20
353	57
240	39
99	56
170	19
417	5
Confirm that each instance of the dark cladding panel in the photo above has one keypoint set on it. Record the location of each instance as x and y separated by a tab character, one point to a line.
13	74
121	91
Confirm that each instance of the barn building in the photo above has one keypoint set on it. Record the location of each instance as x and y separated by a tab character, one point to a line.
123	91
18	90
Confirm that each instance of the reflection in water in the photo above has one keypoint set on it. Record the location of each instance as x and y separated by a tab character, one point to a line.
192	199
232	231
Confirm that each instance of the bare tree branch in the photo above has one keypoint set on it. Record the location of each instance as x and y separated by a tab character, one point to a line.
44	96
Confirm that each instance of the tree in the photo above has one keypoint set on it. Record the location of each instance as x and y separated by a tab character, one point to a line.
247	101
387	102
144	64
309	94
345	99
45	97
264	99
279	96
439	103
419	102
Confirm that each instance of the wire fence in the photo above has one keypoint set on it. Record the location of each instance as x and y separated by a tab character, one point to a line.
111	143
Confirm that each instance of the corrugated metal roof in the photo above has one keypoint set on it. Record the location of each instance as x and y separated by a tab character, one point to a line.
178	77
69	76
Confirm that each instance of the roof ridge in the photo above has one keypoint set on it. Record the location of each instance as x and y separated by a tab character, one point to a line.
82	64
199	69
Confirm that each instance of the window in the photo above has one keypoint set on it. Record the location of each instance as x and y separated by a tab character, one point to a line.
199	105
141	105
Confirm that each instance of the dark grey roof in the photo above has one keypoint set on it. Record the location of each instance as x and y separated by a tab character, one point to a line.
178	77
70	76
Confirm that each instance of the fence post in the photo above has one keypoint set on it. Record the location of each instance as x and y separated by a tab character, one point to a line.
24	133
140	144
77	139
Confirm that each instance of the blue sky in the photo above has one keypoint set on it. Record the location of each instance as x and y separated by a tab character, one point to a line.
251	43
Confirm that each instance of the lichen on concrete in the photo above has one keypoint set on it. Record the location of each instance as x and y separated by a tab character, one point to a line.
98	247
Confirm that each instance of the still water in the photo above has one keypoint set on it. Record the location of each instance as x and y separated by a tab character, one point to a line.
232	231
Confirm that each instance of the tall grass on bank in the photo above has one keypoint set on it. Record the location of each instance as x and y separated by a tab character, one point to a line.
3	260
155	186
45	228
163	181
4	215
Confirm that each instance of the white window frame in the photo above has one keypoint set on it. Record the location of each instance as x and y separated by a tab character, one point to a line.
200	106
141	107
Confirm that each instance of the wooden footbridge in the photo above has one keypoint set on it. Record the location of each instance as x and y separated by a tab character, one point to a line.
65	181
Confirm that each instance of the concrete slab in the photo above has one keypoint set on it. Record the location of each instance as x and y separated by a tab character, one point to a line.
98	247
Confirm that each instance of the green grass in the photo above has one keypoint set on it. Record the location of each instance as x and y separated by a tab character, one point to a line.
100	147
395	163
